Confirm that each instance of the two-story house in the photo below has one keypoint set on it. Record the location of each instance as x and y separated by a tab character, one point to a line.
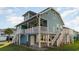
43	29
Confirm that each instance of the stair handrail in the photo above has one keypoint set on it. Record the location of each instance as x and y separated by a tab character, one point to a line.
55	38
60	38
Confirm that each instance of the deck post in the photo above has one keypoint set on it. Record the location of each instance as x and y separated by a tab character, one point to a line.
48	36
39	35
19	35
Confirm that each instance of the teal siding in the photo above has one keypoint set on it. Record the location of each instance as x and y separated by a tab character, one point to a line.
23	39
53	20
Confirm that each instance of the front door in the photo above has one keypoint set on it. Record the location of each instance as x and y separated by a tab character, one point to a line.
32	38
23	39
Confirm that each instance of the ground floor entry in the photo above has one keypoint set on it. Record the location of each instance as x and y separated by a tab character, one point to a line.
23	39
33	40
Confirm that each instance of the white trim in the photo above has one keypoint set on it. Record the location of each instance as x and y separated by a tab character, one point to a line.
39	35
48	36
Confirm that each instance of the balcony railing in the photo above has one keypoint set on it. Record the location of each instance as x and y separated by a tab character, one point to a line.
32	30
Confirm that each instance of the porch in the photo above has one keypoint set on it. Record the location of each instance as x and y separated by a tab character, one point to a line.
33	40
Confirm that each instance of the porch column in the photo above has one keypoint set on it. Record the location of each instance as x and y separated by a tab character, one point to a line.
39	35
48	36
19	34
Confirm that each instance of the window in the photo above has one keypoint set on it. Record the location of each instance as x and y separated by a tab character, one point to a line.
24	26
43	22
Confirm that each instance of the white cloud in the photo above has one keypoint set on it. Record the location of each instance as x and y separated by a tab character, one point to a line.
14	19
76	20
74	23
59	9
2	9
7	11
64	14
11	16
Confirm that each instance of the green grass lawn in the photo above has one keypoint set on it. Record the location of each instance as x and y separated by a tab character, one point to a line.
71	47
15	48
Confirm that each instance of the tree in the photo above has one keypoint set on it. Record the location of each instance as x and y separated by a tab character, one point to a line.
8	31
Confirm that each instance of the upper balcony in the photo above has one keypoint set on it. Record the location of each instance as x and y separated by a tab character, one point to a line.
32	26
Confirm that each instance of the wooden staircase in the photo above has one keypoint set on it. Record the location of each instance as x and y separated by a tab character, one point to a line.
60	39
57	40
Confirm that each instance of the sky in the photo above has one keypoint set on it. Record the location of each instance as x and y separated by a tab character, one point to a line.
11	16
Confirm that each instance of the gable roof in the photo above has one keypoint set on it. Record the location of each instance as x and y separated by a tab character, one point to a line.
43	11
50	8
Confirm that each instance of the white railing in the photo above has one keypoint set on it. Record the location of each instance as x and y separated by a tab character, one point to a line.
32	30
36	29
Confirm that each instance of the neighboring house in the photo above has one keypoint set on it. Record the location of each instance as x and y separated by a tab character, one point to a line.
76	35
2	32
44	29
72	34
69	35
3	35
